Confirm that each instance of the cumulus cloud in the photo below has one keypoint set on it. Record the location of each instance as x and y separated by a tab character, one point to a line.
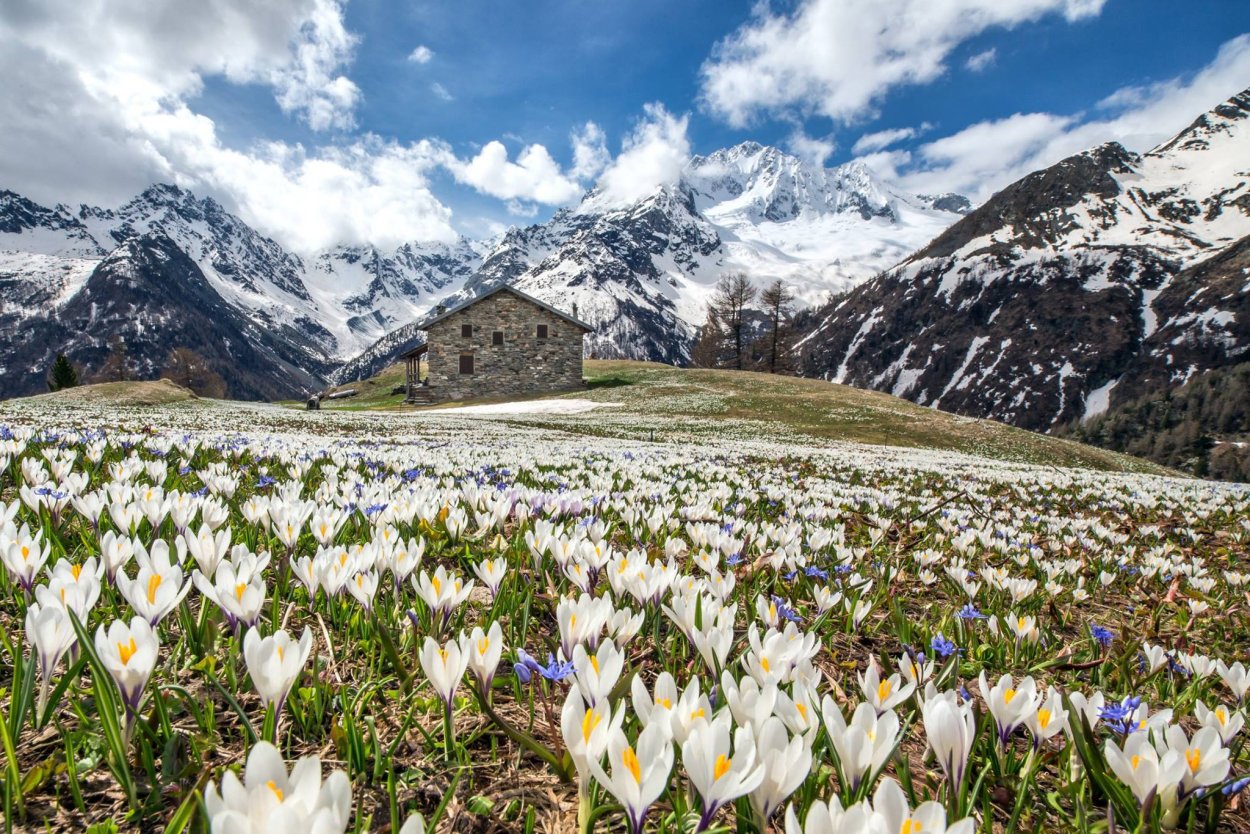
837	58
983	157
590	152
870	142
441	92
652	155
981	60
95	108
421	55
810	149
533	176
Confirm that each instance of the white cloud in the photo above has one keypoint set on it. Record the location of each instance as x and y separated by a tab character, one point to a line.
839	57
95	108
810	149
421	55
652	155
442	92
520	208
984	157
590	152
533	176
981	60
870	142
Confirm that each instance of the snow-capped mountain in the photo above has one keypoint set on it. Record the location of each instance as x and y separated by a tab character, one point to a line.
1066	292
642	273
326	309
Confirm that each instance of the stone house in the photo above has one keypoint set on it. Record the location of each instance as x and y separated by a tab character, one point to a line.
501	344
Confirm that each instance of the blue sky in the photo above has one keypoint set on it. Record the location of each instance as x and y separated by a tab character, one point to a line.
316	106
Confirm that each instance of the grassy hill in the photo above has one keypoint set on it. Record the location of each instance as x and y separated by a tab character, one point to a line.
650	399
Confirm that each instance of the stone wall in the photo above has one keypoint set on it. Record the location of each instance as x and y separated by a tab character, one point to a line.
523	364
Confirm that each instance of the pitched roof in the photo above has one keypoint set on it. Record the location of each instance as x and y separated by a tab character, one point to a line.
425	325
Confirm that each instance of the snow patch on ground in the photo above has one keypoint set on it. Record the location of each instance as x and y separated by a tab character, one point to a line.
570	406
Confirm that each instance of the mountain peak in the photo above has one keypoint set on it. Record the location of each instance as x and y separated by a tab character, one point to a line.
1225	119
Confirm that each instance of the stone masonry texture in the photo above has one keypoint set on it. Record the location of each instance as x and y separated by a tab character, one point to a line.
523	364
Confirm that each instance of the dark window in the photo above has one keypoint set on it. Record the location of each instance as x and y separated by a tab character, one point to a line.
496	338
466	330
466	363
542	331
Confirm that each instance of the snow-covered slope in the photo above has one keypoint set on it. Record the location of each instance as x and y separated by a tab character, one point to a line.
1034	307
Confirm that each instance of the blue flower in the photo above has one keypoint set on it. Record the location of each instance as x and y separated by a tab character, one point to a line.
970	612
1104	636
1236	787
816	573
786	612
265	481
942	647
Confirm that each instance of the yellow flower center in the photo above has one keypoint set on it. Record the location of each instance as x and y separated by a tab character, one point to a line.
594	663
764	664
883	690
802	708
1135	761
1008	695
1221	715
125	651
276	790
154	582
699	713
239	589
1194	757
25	552
630	760
437	585
1043	718
723	764
664	702
589	722
483	645
909	826
77	571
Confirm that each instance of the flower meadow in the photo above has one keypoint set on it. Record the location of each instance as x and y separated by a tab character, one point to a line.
236	619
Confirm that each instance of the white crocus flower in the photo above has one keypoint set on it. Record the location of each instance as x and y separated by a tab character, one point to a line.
51	633
637	777
597	673
270	800
883	694
786	762
1205	757
275	663
158	587
116	551
128	651
1235	678
1010	705
889	804
442	593
485	650
864	745
206	547
1139	766
1226	722
363	586
492	572
1049	719
586	731
25	556
444	666
950	728
717	776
